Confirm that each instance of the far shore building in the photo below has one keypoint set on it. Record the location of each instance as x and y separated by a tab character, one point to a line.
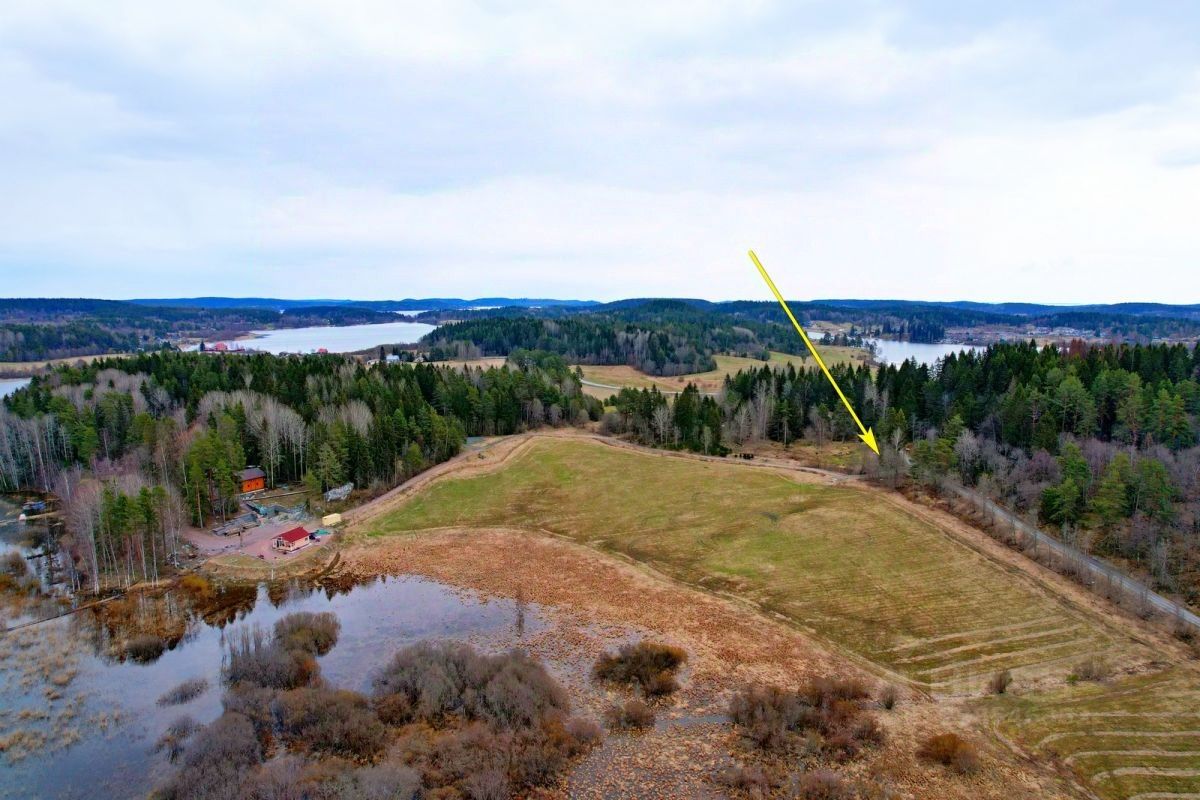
252	479
291	541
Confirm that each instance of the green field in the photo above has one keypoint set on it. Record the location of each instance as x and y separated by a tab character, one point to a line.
835	560
859	572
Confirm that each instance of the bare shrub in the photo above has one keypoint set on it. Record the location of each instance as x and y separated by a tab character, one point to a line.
1183	630
184	692
14	564
631	715
254	659
1000	682
951	750
175	735
822	784
217	762
254	703
540	753
145	649
303	630
333	722
429	681
821	691
647	665
196	585
1091	668
749	779
774	718
888	697
387	782
584	731
767	715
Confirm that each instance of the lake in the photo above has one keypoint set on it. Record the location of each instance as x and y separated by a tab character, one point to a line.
340	339
890	351
10	385
89	715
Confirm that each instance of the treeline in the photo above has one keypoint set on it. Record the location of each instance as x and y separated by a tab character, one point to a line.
29	342
1100	443
180	425
582	339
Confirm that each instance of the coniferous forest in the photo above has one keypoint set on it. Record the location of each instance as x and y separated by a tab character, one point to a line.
137	447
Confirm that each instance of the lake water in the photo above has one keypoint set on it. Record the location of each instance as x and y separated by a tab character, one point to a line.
340	339
100	731
10	385
890	351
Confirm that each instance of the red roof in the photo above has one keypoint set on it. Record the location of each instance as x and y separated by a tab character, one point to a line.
220	346
294	535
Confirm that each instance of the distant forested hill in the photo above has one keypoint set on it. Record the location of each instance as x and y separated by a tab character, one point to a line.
32	329
408	304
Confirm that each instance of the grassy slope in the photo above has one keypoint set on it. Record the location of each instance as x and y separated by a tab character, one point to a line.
883	584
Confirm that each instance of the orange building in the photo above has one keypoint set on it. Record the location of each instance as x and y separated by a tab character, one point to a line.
252	479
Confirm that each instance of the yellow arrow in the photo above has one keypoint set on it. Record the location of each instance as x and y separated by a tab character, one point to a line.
867	435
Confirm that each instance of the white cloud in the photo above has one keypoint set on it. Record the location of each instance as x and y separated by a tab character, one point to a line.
373	149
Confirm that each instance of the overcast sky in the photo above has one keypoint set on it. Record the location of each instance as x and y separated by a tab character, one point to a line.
1043	151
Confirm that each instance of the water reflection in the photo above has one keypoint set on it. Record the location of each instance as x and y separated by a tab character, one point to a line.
97	738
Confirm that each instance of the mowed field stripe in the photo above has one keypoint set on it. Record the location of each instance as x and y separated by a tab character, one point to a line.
976	632
981	645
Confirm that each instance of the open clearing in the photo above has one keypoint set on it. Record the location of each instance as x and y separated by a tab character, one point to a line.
712	380
839	561
831	559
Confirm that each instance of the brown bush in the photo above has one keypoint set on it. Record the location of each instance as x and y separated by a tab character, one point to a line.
888	697
145	649
749	779
630	715
822	691
255	659
1091	669
1000	682
584	731
647	665
773	718
768	714
14	564
184	692
196	585
333	722
951	750
217	763
822	784
254	703
428	682
312	633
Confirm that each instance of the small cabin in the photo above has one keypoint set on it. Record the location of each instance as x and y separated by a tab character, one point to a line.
252	480
293	540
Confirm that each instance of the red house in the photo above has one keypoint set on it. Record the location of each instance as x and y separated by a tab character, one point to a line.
291	541
252	479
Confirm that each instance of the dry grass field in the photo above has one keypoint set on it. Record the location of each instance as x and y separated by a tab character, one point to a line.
712	380
889	587
1132	737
